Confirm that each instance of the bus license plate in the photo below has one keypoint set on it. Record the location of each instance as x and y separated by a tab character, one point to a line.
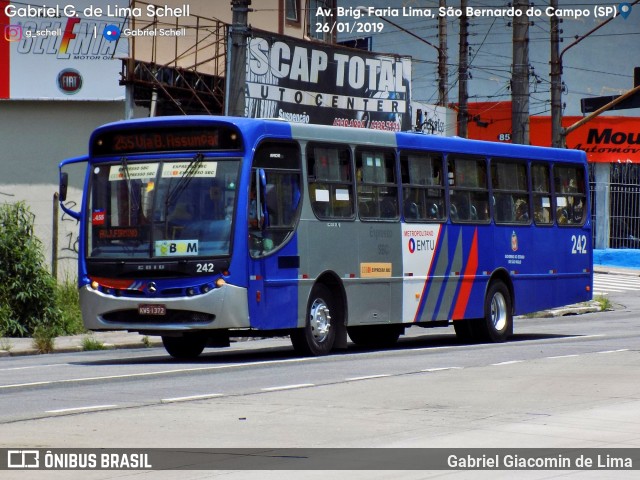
152	309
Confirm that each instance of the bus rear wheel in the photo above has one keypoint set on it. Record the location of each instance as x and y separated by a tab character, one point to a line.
185	347
497	324
318	334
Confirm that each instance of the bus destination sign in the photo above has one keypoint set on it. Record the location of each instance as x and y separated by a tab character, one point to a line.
166	140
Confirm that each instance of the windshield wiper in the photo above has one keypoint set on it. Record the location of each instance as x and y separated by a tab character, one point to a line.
184	180
125	171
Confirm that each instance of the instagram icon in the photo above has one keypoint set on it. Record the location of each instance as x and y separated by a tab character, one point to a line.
13	33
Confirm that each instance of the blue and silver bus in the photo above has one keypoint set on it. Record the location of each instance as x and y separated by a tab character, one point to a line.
200	229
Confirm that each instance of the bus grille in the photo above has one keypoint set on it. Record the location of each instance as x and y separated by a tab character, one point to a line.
172	317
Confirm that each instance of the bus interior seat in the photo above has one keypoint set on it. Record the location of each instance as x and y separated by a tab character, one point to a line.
411	211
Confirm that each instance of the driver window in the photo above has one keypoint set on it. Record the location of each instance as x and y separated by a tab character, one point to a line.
274	196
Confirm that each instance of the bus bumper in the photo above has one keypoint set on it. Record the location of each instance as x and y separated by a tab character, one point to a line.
220	308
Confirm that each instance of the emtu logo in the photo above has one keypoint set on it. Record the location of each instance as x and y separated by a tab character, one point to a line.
13	33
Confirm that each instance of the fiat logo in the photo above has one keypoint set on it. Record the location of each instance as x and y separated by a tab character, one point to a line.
69	81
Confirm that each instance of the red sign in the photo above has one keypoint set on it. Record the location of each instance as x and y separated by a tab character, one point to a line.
98	218
604	139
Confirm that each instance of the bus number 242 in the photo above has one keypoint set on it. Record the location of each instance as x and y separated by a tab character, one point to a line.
579	244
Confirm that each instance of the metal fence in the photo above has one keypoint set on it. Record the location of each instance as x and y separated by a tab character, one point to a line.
624	205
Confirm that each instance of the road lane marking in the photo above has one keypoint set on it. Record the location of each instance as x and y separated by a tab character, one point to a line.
152	374
366	377
81	409
287	387
615	351
509	362
562	356
440	369
35	366
191	397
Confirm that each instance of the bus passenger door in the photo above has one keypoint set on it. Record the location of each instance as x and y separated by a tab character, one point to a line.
274	204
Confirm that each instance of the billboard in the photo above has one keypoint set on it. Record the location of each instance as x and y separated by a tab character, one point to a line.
308	82
606	139
61	51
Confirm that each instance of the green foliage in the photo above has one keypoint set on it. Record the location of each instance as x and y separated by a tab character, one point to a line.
44	337
90	343
603	302
27	290
68	300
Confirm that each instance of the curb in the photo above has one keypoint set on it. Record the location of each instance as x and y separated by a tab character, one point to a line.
77	348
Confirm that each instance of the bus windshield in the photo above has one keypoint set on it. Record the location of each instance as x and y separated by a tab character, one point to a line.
161	209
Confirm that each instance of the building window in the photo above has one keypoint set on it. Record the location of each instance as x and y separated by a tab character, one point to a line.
292	11
316	22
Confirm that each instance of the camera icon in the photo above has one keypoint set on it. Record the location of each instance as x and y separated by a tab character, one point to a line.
13	33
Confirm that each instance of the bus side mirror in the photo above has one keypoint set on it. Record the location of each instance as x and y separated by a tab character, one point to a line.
64	183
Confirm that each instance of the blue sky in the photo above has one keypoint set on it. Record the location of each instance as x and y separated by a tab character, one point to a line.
601	64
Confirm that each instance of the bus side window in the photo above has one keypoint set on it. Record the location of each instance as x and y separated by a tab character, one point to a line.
422	187
468	193
541	194
570	194
376	183
510	187
330	181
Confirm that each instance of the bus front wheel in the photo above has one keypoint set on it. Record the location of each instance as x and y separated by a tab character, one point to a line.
497	324
318	334
185	347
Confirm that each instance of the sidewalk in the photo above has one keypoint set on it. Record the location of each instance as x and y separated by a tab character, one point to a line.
75	343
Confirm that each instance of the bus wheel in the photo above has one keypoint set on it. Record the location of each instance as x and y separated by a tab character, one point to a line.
318	334
497	324
375	336
186	347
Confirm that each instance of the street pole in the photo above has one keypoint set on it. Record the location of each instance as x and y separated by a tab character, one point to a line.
463	94
443	71
236	73
557	140
520	76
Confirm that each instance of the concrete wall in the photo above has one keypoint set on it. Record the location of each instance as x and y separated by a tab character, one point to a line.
34	137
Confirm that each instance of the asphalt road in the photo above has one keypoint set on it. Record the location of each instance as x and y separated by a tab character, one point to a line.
568	382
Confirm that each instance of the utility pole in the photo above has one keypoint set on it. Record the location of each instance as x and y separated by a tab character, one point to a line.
463	94
443	71
520	76
236	70
557	139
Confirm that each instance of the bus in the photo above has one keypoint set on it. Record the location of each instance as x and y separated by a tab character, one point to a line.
200	229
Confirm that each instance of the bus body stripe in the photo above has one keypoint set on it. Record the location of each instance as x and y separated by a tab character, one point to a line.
450	286
427	291
467	282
